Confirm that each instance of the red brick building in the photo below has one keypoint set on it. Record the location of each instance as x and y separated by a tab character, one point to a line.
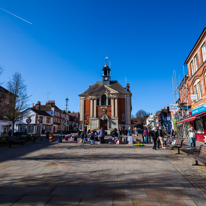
194	92
105	104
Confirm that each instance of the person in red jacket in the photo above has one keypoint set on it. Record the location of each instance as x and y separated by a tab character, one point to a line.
146	135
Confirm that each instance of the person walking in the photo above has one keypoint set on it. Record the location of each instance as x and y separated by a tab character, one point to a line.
153	134
160	136
192	133
146	135
101	135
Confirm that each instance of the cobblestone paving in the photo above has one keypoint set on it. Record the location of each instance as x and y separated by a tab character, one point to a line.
68	174
196	175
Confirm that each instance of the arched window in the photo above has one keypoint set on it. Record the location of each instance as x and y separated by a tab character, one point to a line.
197	89
103	99
105	72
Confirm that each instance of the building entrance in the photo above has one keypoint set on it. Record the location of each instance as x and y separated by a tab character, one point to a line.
103	123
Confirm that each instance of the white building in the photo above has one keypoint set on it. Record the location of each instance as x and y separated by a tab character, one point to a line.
34	121
150	121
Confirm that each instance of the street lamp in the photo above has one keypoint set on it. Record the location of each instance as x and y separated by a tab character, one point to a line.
66	111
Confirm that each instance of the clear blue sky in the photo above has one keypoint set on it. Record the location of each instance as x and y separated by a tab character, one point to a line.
63	50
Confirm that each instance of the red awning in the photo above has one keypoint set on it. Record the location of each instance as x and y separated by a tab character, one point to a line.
191	118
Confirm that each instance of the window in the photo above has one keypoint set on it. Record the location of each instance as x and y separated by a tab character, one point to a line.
31	129
47	120
199	125
195	89
203	53
192	67
199	91
105	72
109	101
97	102
123	117
196	64
103	99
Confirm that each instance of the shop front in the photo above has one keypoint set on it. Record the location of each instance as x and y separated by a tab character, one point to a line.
198	121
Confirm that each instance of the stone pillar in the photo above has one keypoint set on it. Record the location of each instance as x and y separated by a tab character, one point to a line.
129	110
112	103
116	108
91	107
106	100
82	109
95	108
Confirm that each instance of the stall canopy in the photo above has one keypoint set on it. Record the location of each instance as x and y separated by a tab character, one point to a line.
191	118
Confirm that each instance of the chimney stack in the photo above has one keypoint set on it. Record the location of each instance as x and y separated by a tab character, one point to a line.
38	105
128	87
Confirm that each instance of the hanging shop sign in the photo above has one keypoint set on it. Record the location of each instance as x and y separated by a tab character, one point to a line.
185	108
173	107
199	110
193	96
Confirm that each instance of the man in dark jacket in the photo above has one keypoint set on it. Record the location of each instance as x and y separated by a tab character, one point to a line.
101	135
154	136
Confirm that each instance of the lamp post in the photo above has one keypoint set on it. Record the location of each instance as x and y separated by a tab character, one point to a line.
66	112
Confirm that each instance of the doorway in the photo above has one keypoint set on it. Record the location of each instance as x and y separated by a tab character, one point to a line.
103	123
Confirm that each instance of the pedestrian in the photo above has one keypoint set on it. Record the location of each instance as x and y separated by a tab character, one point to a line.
146	135
92	138
82	138
125	135
120	134
149	136
160	136
101	135
129	132
153	134
192	133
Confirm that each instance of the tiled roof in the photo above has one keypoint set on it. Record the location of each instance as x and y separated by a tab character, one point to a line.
113	85
2	89
39	112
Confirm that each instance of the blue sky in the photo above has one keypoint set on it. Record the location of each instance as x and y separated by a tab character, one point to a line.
63	50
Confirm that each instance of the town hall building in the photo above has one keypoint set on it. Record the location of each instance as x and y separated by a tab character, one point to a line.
106	104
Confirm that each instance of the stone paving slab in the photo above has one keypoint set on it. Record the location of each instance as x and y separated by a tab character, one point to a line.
68	174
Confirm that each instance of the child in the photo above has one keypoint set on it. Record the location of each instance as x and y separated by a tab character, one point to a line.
92	138
82	138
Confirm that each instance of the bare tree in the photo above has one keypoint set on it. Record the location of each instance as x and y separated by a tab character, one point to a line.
142	115
18	98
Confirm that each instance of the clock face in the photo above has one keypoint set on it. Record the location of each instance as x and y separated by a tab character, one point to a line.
104	111
106	78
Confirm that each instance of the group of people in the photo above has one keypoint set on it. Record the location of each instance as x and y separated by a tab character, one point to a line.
100	135
156	134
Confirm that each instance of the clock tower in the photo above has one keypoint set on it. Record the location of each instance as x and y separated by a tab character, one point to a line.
106	75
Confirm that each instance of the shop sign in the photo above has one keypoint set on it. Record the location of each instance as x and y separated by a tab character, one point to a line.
175	121
185	108
193	96
173	107
199	110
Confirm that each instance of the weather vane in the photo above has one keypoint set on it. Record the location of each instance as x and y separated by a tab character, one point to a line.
106	58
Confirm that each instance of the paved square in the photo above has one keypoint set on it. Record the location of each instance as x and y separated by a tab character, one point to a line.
68	174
